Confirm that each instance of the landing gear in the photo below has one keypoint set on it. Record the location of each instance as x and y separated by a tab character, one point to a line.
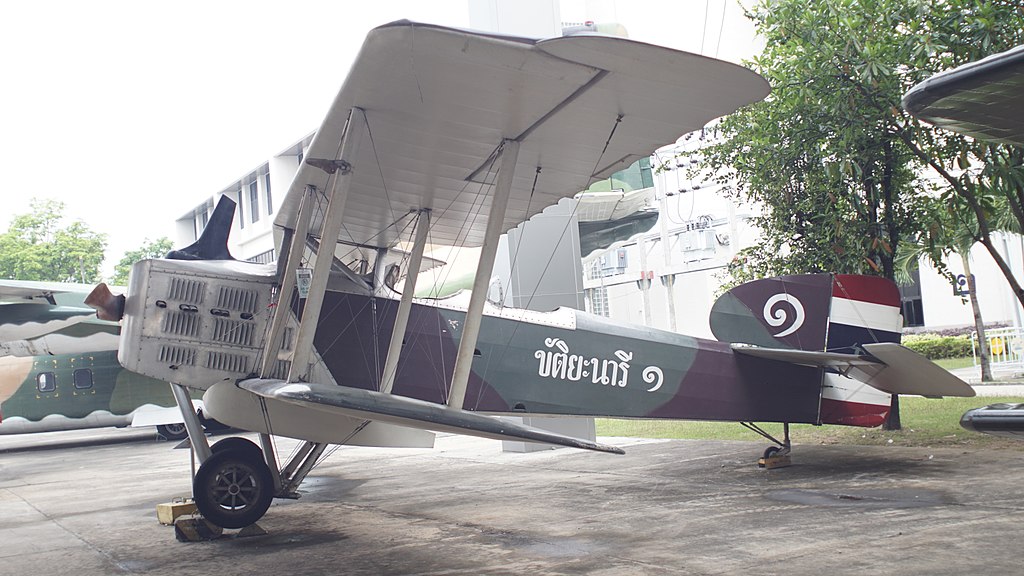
172	431
233	488
247	447
237	480
774	456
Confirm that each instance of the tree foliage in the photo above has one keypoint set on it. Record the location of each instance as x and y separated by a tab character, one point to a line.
150	249
38	246
839	168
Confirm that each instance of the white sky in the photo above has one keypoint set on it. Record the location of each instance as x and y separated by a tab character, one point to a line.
132	112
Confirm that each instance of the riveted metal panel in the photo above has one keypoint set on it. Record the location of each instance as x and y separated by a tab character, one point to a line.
195	322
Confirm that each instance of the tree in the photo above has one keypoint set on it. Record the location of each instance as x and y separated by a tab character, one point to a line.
952	229
833	177
831	156
150	249
37	247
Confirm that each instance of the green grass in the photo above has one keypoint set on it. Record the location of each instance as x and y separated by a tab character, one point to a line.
955	363
926	423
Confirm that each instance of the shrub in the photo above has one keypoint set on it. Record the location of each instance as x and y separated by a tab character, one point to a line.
935	347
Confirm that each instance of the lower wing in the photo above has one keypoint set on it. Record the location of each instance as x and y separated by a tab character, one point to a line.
403	411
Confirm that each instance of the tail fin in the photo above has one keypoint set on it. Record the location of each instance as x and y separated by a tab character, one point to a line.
816	312
213	242
821	313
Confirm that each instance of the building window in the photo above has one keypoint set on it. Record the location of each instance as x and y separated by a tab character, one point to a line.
241	211
599	301
200	220
913	313
910	296
638	175
270	200
254	201
46	382
83	378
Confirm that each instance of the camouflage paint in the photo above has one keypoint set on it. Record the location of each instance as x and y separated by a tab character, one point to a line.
37	329
29	320
114	394
600	368
783	312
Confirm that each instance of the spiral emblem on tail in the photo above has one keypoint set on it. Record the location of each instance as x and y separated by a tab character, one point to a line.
778	316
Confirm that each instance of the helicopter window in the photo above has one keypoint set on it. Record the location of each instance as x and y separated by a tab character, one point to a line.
83	378
46	382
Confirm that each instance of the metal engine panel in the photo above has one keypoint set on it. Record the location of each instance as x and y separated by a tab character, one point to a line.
196	322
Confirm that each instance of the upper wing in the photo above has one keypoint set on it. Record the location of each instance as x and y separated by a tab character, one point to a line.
439	101
378	406
982	99
888	367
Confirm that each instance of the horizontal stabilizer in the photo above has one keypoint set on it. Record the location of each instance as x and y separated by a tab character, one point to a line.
403	411
887	366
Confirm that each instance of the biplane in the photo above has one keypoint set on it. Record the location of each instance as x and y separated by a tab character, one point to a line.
450	137
983	100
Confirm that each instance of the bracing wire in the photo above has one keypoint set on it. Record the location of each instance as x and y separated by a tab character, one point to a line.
380	169
704	30
721	27
551	256
519	240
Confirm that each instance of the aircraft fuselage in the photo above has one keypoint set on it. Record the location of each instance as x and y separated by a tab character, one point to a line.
563	363
72	391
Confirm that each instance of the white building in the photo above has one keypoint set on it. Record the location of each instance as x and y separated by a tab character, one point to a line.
669	277
258	193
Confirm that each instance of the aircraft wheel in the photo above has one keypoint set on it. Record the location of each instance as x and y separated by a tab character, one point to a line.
245	446
771	451
172	431
232	489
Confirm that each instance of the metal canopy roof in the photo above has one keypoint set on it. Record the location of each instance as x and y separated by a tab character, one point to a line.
983	99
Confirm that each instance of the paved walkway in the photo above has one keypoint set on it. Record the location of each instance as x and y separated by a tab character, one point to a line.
676	507
1008	381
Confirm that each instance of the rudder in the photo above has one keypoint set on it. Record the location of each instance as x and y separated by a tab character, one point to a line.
821	313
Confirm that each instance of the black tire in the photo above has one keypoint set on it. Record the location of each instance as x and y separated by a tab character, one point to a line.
771	451
233	490
242	445
172	431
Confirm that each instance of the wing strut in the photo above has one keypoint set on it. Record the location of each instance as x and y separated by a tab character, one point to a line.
296	247
354	130
495	224
405	305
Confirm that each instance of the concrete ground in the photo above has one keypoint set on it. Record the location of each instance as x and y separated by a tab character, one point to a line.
84	503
